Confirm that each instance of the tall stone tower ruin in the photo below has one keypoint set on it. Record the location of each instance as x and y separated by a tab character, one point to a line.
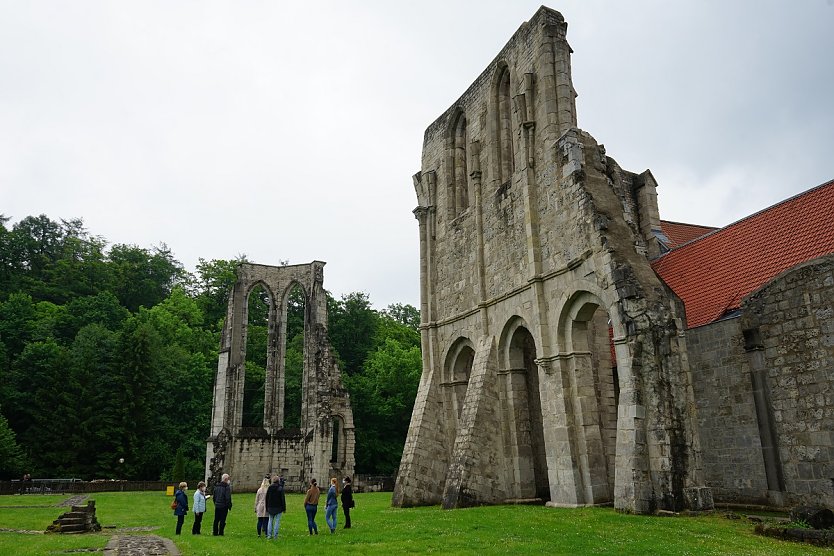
554	364
323	447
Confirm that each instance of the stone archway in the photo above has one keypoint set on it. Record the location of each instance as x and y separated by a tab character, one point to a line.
521	413
593	393
458	368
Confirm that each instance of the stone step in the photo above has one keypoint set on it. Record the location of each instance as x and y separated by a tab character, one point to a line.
71	528
73	521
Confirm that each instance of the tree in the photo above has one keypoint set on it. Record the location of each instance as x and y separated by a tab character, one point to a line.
215	279
178	472
352	329
142	277
12	460
382	399
404	314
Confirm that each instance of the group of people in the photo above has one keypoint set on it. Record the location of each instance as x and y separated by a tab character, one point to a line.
311	504
270	504
222	504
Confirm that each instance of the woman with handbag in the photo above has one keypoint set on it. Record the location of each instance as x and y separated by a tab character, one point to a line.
182	505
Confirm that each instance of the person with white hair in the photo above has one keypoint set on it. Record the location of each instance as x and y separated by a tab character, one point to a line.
222	504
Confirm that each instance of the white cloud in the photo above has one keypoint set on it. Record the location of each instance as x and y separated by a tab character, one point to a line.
291	131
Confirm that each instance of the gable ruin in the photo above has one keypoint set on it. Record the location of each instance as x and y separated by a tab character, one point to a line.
323	446
554	360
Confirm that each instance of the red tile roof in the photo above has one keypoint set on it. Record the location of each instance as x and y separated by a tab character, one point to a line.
713	273
680	233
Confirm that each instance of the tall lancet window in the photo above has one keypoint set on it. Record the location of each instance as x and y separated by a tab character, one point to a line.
504	128
460	173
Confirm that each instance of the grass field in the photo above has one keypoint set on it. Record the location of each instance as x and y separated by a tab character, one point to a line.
380	529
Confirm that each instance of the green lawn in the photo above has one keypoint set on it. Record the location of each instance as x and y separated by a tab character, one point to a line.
380	529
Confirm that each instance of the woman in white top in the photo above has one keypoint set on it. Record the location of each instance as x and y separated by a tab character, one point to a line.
260	507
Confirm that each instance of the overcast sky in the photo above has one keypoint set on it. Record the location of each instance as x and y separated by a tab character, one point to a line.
290	131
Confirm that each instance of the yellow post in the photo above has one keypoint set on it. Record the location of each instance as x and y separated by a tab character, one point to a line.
169	491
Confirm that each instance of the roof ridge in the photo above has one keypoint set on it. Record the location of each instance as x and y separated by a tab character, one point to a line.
748	217
688	224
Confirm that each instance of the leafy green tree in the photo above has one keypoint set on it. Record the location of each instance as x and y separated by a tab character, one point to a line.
213	284
352	329
404	314
143	277
293	372
12	459
382	398
178	472
103	308
94	435
17	315
139	350
39	408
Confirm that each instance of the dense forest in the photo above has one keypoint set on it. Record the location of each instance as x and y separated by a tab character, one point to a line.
108	354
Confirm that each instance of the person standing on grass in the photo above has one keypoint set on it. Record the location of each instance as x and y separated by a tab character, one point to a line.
199	507
182	505
347	500
331	506
260	507
311	506
222	504
276	505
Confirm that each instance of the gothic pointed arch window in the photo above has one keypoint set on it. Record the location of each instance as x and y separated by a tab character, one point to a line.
459	175
504	127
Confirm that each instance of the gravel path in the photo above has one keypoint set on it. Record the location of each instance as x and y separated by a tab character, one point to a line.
136	545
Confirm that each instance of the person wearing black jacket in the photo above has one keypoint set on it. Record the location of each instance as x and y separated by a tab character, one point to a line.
347	500
276	505
222	504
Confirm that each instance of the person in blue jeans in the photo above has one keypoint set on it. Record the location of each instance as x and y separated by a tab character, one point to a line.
182	505
276	504
331	506
311	506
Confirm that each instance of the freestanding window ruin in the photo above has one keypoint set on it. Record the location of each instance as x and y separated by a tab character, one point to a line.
319	440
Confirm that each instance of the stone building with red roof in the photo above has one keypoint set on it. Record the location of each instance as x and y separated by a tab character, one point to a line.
759	302
577	349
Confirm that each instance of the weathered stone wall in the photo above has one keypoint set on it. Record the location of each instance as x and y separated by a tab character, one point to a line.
527	229
794	319
247	454
732	450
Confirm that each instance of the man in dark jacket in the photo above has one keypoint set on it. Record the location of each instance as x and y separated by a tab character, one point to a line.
222	504
347	500
276	505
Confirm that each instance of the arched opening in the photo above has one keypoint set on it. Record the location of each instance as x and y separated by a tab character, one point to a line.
460	175
294	321
522	412
337	442
460	374
457	370
504	128
259	304
595	387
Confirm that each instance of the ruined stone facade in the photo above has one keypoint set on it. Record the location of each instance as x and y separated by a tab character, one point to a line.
324	445
554	358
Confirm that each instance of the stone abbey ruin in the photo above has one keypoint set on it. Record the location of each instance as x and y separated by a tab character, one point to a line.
323	447
578	350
